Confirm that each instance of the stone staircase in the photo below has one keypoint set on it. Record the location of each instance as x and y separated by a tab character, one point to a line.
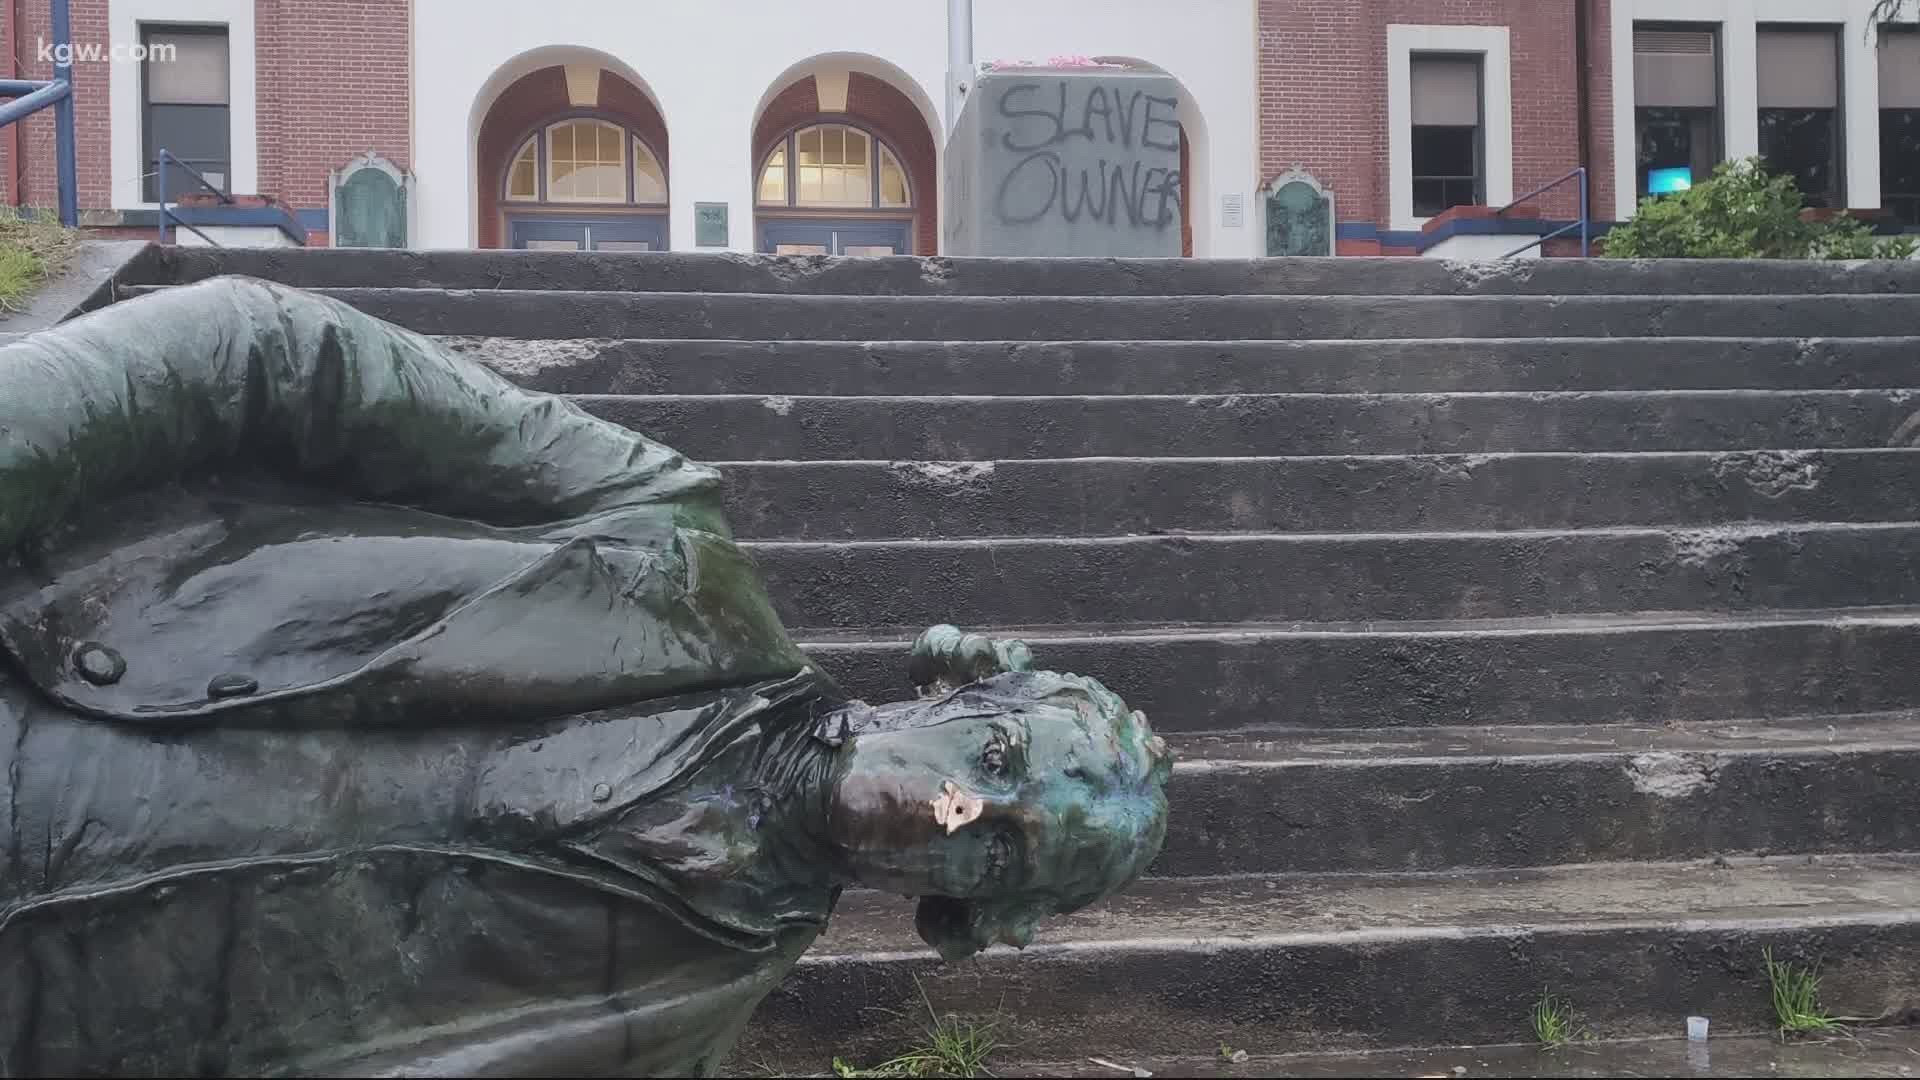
1553	626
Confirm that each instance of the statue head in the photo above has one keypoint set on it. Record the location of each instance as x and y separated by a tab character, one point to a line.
1003	795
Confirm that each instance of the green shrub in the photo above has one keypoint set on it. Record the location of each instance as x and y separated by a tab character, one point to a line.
1745	212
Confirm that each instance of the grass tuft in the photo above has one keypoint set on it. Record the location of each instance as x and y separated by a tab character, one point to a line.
1796	999
1553	1025
953	1047
34	246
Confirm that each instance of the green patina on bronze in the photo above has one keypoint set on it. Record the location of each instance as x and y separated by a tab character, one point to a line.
361	712
372	209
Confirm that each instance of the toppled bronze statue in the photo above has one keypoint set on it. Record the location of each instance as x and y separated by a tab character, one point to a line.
361	713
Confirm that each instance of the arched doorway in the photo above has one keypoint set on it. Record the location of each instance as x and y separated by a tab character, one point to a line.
834	189
573	158
843	165
1194	187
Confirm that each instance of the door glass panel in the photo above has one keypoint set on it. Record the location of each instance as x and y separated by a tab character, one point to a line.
623	245
800	249
553	245
870	249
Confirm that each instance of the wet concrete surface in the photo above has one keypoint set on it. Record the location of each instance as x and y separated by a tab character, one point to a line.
1866	1053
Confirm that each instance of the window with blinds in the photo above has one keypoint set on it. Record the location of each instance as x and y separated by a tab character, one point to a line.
1799	86
1676	105
1445	90
1899	58
186	106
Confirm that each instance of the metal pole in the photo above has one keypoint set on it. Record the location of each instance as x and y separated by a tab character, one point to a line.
959	57
66	159
162	180
51	93
1586	251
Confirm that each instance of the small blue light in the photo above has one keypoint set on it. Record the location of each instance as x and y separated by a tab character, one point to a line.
1665	181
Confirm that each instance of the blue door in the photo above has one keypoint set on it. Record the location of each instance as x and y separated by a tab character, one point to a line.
835	237
588	234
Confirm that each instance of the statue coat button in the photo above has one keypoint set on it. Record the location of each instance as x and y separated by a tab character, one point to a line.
99	665
226	686
601	793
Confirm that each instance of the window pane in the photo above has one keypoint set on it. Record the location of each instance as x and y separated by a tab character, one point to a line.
649	179
192	133
856	146
811	184
1444	151
1675	138
832	146
856	185
1798	68
773	180
586	162
893	180
1900	163
1446	169
186	68
522	178
807	143
1445	90
1801	142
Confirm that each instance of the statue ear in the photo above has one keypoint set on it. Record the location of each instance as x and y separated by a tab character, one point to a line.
945	659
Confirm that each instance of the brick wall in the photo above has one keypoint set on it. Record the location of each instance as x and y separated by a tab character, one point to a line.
31	164
899	121
9	156
332	84
1323	93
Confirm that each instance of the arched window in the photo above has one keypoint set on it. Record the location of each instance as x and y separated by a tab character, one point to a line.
835	166
586	160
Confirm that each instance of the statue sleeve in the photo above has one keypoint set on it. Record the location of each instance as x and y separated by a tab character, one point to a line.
238	371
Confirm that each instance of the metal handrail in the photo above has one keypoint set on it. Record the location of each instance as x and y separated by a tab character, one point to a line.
1586	244
166	212
32	95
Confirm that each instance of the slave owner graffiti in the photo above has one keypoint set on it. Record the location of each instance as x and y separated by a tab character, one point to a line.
1064	162
1087	149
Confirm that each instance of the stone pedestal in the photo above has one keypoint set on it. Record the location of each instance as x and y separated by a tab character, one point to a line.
1065	162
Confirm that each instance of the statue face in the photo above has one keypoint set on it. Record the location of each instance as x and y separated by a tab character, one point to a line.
1006	801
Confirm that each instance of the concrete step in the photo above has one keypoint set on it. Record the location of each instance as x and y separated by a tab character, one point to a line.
758	427
774	317
664	272
1318	577
1892	1052
861	500
1494	797
1089	368
1307	962
1557	670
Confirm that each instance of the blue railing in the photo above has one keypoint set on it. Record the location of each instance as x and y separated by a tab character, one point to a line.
31	96
1586	231
166	212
